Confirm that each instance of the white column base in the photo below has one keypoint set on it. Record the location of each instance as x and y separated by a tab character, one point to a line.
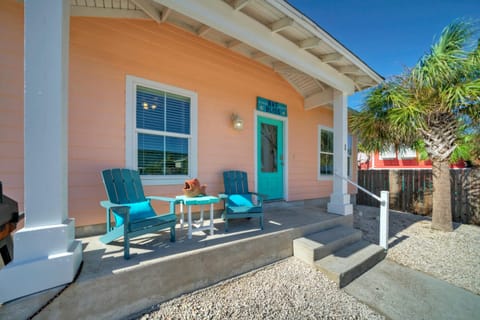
340	204
44	258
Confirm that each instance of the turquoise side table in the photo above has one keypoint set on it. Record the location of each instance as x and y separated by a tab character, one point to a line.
196	201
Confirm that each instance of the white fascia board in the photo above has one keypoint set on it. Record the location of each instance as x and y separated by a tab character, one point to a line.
306	23
221	16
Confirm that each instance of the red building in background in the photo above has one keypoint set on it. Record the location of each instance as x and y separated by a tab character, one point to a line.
397	159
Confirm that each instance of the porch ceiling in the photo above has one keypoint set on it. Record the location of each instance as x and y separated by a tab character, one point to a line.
271	32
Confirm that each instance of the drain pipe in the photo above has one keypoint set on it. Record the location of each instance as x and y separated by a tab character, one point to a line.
384	210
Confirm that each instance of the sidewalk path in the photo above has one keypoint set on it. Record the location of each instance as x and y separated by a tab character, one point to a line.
402	293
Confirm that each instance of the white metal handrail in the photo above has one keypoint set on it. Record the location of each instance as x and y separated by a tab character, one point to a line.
384	210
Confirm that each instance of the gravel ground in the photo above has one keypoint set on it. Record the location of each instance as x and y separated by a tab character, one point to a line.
290	289
450	256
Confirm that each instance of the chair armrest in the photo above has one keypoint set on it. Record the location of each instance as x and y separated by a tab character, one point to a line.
163	199
119	209
107	204
260	197
263	196
172	201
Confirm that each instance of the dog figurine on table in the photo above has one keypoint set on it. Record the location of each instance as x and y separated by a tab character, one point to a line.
192	188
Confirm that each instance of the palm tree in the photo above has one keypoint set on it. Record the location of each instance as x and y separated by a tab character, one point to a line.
432	104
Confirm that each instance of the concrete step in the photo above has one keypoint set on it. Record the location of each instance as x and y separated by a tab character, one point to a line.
345	265
318	245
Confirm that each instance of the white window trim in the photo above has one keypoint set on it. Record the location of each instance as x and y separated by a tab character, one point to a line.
390	154
323	176
407	153
131	134
330	177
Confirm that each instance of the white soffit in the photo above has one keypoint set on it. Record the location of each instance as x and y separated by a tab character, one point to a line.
271	32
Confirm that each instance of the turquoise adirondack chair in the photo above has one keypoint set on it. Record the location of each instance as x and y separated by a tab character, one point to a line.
133	214
239	202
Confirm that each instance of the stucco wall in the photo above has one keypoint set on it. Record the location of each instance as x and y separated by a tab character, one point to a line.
11	99
102	53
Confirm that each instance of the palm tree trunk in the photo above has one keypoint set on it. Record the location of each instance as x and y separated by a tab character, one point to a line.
442	203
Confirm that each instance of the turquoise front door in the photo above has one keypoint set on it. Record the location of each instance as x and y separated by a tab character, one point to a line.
270	157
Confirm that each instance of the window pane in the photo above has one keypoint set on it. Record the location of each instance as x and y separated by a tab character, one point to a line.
150	109
151	154
326	142
176	156
349	145
349	166
178	113
269	148
407	153
160	155
326	164
388	154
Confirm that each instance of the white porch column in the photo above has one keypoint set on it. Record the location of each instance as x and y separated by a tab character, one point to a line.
46	253
340	199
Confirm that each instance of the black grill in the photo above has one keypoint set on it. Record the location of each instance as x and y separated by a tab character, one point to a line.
9	217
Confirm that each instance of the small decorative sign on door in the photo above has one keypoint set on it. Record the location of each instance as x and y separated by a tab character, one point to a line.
272	107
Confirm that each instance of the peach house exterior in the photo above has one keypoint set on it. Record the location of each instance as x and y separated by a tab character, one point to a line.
83	84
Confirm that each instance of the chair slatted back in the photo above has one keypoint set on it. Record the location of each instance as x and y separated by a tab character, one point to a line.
123	186
236	182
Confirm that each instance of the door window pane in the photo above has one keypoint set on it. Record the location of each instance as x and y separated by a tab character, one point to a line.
269	148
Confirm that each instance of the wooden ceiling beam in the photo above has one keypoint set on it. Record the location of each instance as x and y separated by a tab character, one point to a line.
233	43
349	70
203	30
165	13
331	57
149	9
309	43
239	4
281	24
258	55
321	98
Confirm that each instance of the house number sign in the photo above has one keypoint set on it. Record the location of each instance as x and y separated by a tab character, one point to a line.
270	106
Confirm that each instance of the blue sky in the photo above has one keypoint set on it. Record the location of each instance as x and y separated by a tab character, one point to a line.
388	35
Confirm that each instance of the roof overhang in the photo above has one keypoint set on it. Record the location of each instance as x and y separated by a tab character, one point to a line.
270	31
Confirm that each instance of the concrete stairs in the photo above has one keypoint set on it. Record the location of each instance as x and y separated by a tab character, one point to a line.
339	252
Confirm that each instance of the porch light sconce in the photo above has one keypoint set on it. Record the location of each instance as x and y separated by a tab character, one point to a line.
237	122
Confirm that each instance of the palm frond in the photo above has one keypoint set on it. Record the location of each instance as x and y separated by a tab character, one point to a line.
446	57
443	86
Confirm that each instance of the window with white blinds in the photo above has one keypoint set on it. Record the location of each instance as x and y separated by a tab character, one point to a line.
162	131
